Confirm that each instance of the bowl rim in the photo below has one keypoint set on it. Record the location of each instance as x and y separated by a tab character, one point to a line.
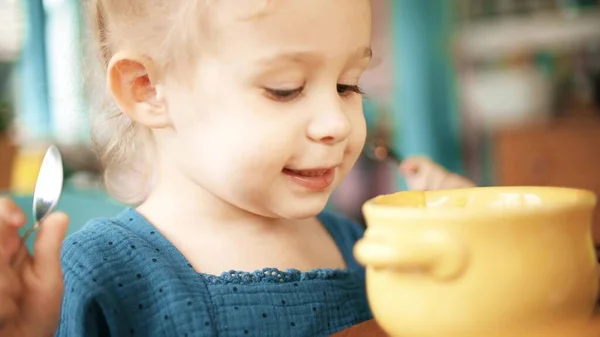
575	199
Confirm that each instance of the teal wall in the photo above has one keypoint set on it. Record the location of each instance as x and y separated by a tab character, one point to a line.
33	90
425	98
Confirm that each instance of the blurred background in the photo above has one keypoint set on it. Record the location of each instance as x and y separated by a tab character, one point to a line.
506	92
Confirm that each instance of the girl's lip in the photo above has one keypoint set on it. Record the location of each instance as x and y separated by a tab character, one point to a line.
312	179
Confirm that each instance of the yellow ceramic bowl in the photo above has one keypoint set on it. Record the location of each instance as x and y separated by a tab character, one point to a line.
494	261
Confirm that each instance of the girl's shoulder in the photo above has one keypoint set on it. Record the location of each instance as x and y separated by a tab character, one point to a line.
105	241
125	246
121	279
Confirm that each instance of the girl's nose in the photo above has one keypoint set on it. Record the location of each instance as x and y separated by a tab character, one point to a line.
330	126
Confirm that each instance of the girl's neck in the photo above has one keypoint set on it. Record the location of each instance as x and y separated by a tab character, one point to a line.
201	225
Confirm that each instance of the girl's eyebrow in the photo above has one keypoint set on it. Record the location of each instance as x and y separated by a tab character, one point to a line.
292	57
304	57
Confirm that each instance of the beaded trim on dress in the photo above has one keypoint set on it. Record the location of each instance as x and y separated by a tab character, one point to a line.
274	275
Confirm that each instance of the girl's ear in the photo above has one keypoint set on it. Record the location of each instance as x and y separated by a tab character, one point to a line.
132	81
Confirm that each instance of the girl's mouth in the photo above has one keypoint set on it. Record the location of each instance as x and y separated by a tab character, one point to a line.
312	179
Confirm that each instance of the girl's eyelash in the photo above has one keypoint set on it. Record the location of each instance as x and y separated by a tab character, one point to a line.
346	89
283	95
288	95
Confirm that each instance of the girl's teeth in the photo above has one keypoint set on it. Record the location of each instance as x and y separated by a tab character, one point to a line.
313	173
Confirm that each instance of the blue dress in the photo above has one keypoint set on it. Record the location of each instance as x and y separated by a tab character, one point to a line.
123	278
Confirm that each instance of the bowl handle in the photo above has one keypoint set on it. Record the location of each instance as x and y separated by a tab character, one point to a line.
432	252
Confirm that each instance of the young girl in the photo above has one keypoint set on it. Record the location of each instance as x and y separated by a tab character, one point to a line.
232	123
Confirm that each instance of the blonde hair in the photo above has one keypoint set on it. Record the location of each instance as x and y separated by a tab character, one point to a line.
160	30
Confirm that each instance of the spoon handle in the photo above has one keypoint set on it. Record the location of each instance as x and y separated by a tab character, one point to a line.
395	156
30	231
22	253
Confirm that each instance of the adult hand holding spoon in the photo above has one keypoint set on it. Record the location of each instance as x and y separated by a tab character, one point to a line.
423	174
420	173
48	189
31	286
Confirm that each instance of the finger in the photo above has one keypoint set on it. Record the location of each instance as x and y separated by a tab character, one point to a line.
11	218
10	244
20	258
459	181
438	179
408	168
463	182
432	175
421	180
417	182
9	308
47	246
10	285
414	165
10	213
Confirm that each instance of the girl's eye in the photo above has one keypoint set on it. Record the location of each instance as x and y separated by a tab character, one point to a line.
283	95
288	95
347	90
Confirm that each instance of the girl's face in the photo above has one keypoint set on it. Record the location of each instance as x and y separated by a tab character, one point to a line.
274	120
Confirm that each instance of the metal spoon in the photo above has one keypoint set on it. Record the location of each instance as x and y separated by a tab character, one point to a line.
48	189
